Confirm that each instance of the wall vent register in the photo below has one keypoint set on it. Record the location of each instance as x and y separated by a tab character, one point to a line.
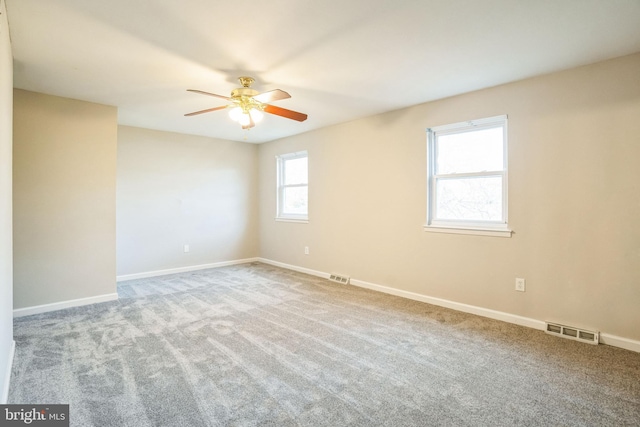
577	334
339	279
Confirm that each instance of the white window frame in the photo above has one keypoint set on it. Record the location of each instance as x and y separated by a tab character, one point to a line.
486	228
280	163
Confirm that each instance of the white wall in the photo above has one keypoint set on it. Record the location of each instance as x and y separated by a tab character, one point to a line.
574	201
64	185
6	233
176	189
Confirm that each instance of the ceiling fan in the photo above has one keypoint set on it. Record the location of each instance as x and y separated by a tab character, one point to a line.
246	104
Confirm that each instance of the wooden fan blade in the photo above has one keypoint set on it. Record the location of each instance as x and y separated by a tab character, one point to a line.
283	112
272	95
209	94
208	110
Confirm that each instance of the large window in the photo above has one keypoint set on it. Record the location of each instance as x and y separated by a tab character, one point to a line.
293	186
467	182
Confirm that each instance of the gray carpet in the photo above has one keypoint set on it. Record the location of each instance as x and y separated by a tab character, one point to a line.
258	345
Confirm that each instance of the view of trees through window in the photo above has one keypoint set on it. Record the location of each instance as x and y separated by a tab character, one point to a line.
467	172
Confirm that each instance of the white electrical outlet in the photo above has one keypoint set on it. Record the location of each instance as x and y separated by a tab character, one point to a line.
186	248
520	284
306	250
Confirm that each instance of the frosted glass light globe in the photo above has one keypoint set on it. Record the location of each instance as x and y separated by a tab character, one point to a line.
244	119
235	113
256	115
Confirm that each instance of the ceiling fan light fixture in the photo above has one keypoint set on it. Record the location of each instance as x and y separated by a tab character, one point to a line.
235	113
247	107
244	119
256	115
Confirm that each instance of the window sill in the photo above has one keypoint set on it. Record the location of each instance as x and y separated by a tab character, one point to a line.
478	231
298	220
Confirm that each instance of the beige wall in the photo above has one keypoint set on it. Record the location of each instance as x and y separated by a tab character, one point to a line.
574	201
176	189
6	245
64	184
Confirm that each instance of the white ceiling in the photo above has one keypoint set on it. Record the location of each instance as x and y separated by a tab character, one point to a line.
339	59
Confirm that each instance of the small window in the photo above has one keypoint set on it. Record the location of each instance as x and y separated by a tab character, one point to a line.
467	177
293	186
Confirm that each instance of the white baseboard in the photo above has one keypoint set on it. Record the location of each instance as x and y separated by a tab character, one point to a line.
28	311
621	342
4	391
157	273
294	268
605	338
466	308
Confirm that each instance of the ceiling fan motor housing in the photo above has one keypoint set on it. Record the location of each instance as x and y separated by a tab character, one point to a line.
243	91
243	98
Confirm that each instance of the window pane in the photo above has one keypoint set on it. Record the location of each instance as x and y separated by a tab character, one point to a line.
474	199
295	200
473	151
295	171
